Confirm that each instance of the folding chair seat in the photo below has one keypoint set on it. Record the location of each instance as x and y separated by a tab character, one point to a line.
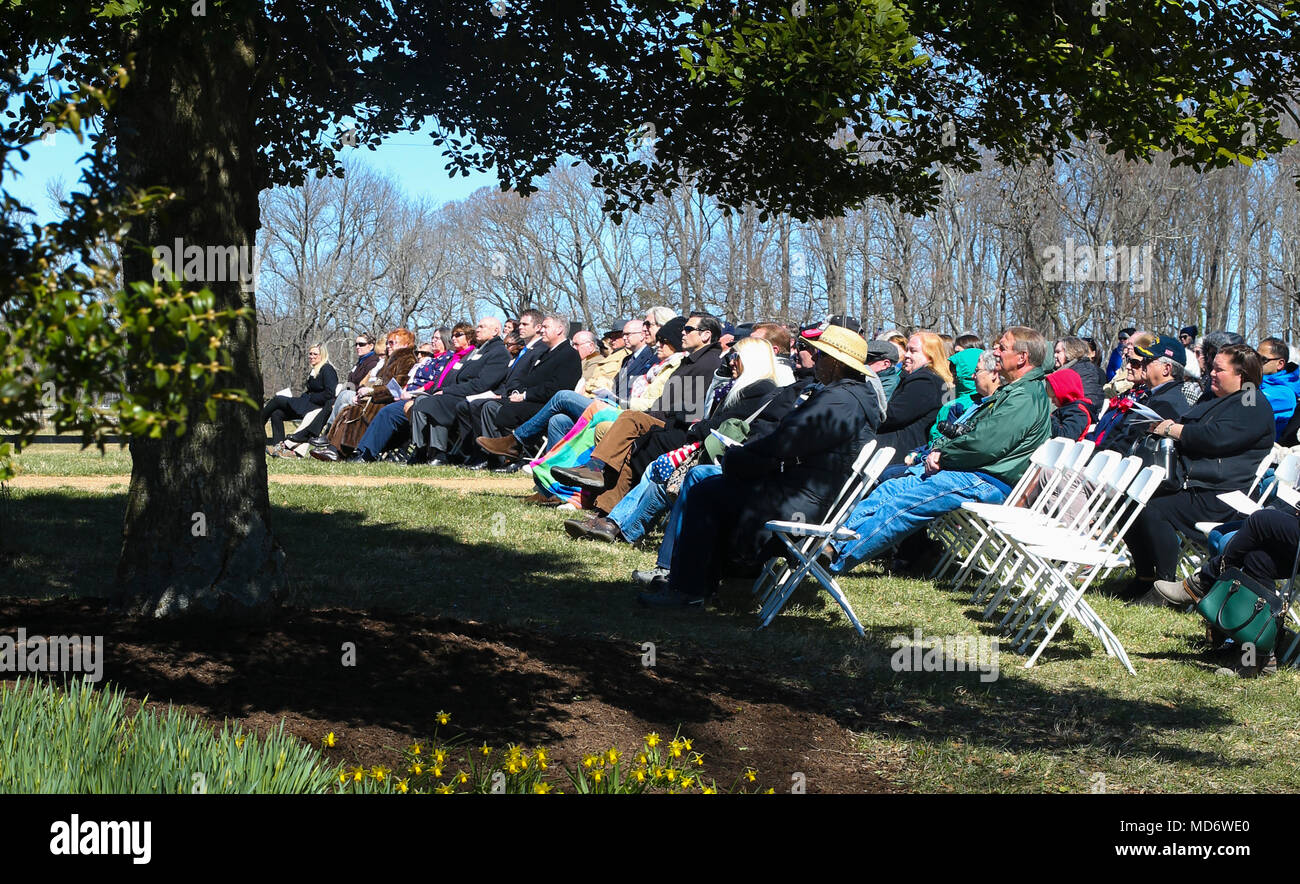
782	575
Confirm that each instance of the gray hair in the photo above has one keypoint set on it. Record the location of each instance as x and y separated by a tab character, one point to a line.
988	361
561	320
662	315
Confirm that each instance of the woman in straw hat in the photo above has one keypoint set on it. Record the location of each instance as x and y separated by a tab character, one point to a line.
795	471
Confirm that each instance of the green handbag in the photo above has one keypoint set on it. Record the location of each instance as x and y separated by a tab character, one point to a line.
1244	609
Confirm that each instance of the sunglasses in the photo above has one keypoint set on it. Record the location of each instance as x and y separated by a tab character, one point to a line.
690	328
1139	363
363	343
424	353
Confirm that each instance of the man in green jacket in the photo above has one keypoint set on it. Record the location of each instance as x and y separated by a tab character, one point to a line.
980	465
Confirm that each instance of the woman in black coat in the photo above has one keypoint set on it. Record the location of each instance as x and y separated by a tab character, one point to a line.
925	386
319	393
1073	353
1220	444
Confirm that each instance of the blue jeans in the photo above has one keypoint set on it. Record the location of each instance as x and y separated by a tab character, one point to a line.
564	404
391	418
639	507
899	507
674	526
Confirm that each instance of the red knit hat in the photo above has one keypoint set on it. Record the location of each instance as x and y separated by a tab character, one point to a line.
1066	385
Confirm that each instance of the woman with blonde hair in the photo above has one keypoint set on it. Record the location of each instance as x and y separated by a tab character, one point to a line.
926	385
318	392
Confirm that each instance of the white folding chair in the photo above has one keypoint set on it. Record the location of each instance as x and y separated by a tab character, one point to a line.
779	580
1193	548
961	535
1070	568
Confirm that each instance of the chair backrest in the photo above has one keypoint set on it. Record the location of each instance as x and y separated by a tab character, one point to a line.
860	462
851	490
1045	457
1288	471
1262	470
1146	484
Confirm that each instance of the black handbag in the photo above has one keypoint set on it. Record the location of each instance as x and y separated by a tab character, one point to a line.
1161	451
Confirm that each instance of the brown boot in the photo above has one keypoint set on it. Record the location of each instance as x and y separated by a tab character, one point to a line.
502	446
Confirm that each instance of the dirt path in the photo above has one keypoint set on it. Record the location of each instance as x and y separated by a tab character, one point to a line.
453	483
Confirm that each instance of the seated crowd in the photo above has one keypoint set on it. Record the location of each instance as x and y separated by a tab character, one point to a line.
717	429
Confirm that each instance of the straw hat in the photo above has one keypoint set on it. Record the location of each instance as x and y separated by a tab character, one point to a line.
844	345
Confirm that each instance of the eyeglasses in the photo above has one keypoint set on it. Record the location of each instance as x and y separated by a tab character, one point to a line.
363	343
458	335
690	328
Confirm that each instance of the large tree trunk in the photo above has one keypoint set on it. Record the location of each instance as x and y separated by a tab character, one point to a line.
197	536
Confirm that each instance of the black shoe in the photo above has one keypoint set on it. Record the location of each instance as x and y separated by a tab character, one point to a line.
668	598
320	441
480	464
513	467
418	456
438	460
329	454
358	457
1150	599
605	529
579	528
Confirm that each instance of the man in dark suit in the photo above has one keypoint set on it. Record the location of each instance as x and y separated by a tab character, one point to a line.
557	367
468	413
432	416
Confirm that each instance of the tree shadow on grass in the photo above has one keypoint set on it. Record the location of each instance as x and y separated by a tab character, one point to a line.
526	680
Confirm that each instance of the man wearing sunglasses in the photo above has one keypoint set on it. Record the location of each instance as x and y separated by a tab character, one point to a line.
1157	373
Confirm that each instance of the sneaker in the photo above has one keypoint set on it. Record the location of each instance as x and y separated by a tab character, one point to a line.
645	578
1150	599
579	528
583	476
1268	666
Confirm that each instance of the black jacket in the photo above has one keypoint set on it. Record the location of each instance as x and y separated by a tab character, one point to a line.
318	392
1071	420
912	412
482	371
685	396
363	367
1093	380
1224	440
513	377
555	368
797	469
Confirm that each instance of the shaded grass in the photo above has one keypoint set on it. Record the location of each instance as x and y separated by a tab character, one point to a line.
1075	722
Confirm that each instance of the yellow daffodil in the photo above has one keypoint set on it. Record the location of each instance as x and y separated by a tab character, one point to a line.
343	776
541	756
416	769
443	717
750	774
358	774
541	788
686	744
641	759
416	749
439	756
709	790
698	759
462	777
598	776
378	772
640	776
512	768
402	786
589	761
445	789
329	740
652	740
670	774
436	771
485	749
613	755
239	741
675	749
770	792
687	781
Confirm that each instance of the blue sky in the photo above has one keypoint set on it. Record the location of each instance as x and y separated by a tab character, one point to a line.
413	161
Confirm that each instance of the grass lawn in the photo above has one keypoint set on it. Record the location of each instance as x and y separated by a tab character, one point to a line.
1076	722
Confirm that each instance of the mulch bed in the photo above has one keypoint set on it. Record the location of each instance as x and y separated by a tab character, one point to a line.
500	684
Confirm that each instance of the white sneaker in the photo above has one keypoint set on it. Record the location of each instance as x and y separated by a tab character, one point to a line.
566	506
